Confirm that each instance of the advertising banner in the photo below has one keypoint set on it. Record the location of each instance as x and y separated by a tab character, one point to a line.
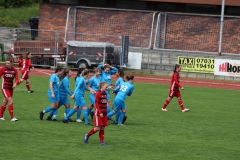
196	64
226	67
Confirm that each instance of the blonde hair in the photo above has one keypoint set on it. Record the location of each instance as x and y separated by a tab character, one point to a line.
102	84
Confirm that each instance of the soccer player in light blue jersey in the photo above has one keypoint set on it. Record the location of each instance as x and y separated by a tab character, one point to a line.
76	81
106	73
63	93
78	96
93	84
125	89
53	92
120	76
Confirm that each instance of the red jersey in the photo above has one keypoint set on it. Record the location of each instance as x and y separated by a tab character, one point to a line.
101	103
175	83
26	64
8	74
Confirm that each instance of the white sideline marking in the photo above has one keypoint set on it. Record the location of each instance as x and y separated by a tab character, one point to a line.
43	72
211	83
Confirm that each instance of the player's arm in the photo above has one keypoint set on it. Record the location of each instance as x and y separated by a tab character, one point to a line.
65	84
30	64
100	66
80	81
97	96
1	72
131	91
113	70
176	81
17	82
90	82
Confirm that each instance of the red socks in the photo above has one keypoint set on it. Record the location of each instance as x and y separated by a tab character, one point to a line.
10	109
101	135
28	86
91	132
2	111
165	104
181	104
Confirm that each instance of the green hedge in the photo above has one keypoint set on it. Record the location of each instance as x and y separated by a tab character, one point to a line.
16	3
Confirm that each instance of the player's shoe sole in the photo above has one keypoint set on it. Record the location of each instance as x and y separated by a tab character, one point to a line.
30	91
3	119
86	138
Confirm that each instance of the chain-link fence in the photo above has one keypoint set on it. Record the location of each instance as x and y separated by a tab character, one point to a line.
196	33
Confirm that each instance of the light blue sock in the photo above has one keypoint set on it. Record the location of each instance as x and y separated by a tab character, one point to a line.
117	116
79	113
88	110
85	113
55	112
48	109
110	114
67	109
121	117
51	113
108	109
70	113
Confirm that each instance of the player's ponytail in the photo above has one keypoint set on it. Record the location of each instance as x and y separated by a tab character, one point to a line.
131	77
79	72
59	68
176	67
85	72
121	73
25	55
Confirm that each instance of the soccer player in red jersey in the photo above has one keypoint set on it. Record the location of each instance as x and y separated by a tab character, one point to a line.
174	89
8	73
26	64
100	113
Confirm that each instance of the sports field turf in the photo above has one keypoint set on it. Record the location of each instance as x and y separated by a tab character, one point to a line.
211	129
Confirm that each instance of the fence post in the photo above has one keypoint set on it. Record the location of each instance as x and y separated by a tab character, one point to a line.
221	29
164	33
161	57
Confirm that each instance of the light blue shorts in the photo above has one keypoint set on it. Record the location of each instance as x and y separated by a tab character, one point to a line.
118	104
91	98
79	101
53	100
108	94
63	101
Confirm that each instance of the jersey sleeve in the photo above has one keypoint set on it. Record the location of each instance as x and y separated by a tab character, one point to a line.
80	81
1	72
100	66
65	84
113	71
175	78
20	63
16	77
30	63
130	91
97	97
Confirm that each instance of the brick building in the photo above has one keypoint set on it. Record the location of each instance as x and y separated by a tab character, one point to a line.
182	32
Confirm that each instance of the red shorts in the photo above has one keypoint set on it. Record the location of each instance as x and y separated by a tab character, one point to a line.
25	75
7	93
174	94
100	121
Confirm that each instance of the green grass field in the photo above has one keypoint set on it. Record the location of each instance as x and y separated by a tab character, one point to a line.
209	131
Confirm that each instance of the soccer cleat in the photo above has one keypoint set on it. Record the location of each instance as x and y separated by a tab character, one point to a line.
14	119
124	119
41	115
185	110
92	114
55	120
121	125
2	118
103	144
89	124
110	119
30	91
164	109
114	123
86	138
83	120
65	121
49	119
78	120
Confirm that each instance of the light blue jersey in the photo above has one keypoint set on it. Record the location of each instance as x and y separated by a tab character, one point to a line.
64	88
80	87
106	77
126	89
56	82
118	82
94	82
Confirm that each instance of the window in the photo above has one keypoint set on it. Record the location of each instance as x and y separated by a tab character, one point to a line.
131	5
205	9
72	2
166	6
233	10
98	3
